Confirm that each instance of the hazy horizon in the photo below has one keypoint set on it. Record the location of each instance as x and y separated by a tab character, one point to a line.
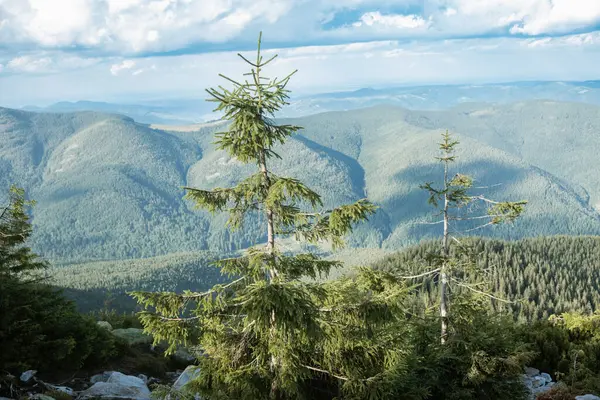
130	50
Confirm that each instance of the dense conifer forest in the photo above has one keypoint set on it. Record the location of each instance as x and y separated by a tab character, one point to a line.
542	276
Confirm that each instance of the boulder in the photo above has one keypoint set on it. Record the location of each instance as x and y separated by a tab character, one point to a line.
187	375
538	381
587	397
63	389
144	378
105	325
133	336
103	377
27	376
527	381
118	386
546	376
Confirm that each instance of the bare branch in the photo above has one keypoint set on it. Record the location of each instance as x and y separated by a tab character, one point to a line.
479	227
343	378
421	275
203	294
491	296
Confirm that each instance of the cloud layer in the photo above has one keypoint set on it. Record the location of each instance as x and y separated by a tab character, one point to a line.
105	47
321	68
141	26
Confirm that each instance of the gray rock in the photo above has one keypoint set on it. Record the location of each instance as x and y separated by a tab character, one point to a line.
587	397
118	386
105	325
63	389
532	371
28	375
546	376
103	377
538	381
527	381
144	378
5	398
187	375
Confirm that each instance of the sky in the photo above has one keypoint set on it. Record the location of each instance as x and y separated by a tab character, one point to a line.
135	50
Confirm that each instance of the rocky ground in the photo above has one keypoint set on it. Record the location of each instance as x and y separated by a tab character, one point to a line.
107	385
128	385
116	385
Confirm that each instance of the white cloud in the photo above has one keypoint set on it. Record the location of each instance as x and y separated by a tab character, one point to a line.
132	25
393	21
528	17
450	12
29	64
559	16
115	69
364	64
46	62
124	27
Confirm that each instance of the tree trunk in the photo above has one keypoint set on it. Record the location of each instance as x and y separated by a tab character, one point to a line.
275	392
268	212
443	273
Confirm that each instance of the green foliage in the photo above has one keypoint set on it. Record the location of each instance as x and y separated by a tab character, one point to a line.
482	359
117	320
39	328
539	276
568	345
97	286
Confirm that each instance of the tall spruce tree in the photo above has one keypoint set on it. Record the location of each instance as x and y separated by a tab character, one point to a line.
455	194
259	334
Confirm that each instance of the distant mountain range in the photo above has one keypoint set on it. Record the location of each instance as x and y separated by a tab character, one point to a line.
109	187
187	111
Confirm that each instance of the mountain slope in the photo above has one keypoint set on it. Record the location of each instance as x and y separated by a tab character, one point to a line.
110	188
397	150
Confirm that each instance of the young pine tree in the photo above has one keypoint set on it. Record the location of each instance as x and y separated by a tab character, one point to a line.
455	195
258	333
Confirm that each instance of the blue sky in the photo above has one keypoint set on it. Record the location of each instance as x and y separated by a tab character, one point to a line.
130	50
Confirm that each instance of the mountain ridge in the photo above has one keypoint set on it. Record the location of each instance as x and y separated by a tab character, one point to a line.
109	187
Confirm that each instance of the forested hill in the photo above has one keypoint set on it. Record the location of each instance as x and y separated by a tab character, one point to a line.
542	276
110	188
